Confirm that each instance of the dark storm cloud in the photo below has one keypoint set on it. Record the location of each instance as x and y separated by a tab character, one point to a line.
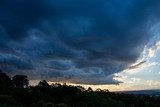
11	60
80	41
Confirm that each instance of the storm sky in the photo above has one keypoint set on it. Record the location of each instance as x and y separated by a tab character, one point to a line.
77	41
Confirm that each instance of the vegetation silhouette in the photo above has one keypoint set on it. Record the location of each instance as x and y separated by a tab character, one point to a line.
20	81
5	83
16	92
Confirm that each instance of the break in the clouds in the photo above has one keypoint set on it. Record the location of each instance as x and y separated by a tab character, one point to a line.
78	41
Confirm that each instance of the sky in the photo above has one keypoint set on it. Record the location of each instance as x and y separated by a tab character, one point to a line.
112	44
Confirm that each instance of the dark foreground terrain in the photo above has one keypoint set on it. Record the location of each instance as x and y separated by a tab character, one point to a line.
16	92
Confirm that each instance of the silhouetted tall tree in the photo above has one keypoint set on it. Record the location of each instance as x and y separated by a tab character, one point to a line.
5	82
20	81
43	83
43	86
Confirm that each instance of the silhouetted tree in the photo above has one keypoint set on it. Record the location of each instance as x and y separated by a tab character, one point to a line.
5	82
43	84
58	85
89	89
99	90
20	81
81	88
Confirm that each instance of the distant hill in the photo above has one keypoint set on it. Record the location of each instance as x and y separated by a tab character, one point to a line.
154	93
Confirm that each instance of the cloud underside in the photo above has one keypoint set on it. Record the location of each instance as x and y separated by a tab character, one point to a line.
82	41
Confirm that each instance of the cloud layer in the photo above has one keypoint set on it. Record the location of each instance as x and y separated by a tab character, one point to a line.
78	41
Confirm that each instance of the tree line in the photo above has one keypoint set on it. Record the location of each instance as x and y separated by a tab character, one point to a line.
16	92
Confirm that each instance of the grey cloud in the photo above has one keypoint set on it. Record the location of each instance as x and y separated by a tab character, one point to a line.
10	60
137	65
60	64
